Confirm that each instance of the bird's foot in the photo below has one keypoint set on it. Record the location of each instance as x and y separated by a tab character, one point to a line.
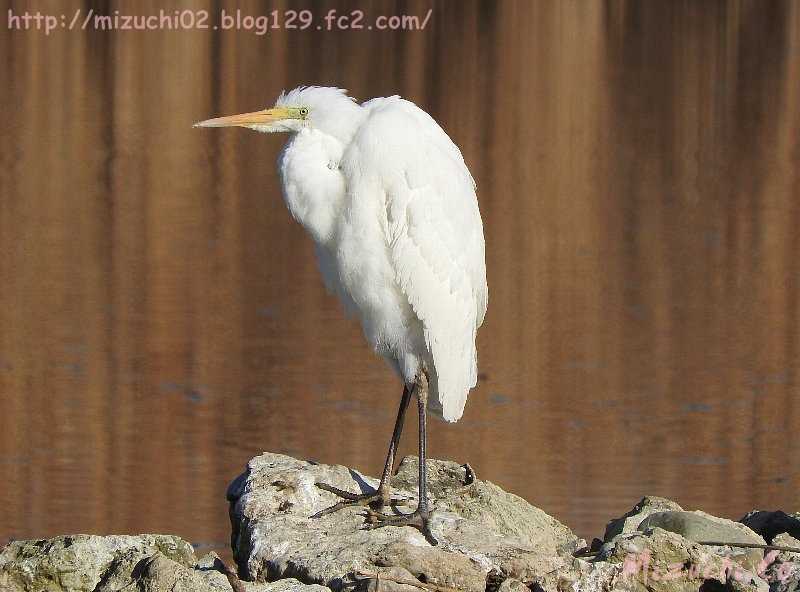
378	499
419	519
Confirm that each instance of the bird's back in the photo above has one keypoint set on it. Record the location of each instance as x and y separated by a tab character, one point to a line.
411	250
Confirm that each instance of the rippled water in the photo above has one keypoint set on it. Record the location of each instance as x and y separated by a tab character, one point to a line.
162	320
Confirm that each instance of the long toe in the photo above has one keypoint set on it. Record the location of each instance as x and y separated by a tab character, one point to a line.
417	519
375	499
341	492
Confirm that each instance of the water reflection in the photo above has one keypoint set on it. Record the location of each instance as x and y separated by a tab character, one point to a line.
163	320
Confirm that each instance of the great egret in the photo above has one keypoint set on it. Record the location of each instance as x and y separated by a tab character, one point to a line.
391	206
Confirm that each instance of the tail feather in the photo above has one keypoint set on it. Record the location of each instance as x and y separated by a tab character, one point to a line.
448	390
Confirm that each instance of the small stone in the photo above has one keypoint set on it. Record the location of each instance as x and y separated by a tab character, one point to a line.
702	527
513	585
630	521
434	566
389	579
787	540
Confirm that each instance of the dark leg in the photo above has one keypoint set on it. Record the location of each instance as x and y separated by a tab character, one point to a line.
418	518
382	497
388	467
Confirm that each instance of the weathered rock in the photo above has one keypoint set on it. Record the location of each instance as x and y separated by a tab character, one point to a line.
630	521
79	562
157	573
787	540
285	585
513	585
586	576
488	541
662	561
770	524
144	563
698	526
390	579
654	547
478	527
783	567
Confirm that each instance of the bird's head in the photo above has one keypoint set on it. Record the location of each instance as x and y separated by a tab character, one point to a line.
327	109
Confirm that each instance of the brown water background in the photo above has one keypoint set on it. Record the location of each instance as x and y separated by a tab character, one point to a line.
162	319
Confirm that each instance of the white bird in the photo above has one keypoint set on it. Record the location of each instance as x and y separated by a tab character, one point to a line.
391	206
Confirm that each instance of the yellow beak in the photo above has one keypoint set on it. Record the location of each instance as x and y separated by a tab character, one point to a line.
266	116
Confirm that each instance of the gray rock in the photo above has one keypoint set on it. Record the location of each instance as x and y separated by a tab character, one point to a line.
654	547
630	521
478	526
659	560
390	579
144	563
286	585
783	567
787	540
698	526
157	573
513	585
586	576
489	541
79	562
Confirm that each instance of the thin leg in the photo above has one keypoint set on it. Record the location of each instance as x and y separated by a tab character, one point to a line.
388	467
382	497
422	406
420	517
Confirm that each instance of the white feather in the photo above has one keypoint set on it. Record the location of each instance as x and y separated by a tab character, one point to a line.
391	205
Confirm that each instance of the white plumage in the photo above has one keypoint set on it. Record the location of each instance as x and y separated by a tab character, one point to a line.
391	206
388	199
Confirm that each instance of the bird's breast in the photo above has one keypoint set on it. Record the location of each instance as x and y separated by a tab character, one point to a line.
369	278
313	185
351	237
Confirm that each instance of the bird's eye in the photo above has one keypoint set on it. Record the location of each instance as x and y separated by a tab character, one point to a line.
303	112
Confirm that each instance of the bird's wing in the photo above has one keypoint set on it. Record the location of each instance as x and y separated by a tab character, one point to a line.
433	230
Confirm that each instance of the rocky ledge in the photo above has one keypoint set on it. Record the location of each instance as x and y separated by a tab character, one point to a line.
486	540
146	563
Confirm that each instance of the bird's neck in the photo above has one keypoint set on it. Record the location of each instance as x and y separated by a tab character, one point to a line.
313	186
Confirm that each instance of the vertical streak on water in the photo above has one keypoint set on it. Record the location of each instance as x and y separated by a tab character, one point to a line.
162	319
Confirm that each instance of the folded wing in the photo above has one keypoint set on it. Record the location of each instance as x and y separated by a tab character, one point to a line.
433	231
